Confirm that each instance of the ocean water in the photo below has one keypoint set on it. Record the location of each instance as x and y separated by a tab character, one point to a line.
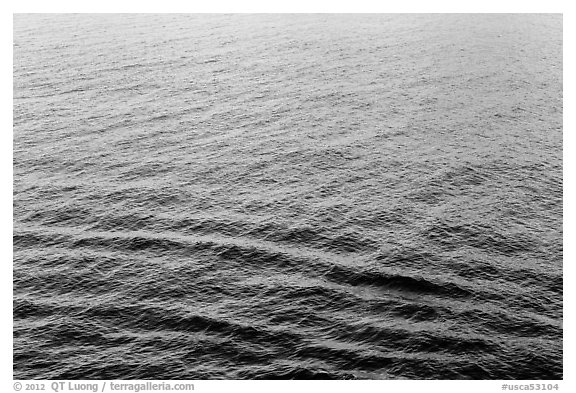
287	196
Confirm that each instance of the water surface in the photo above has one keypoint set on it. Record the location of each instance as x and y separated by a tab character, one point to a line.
287	196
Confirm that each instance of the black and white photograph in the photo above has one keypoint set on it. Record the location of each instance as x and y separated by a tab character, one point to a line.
287	196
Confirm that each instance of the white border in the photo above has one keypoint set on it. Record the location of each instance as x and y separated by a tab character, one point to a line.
300	6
